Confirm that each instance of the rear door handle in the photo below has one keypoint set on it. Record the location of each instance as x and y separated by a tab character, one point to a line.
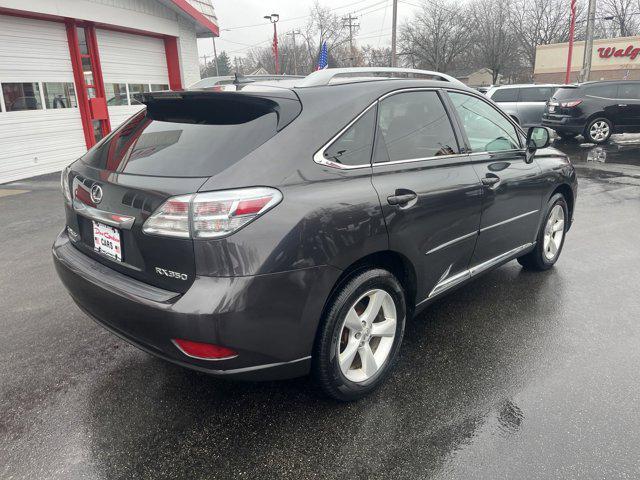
622	104
402	199
490	181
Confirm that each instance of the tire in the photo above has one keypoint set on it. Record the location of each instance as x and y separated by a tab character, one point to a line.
547	251
336	343
598	130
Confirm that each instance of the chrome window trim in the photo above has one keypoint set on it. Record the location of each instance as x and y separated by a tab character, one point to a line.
413	160
451	242
319	158
508	220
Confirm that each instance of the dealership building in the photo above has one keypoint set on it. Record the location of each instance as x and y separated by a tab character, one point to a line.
613	59
72	70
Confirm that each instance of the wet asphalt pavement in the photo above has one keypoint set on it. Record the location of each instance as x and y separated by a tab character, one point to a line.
516	375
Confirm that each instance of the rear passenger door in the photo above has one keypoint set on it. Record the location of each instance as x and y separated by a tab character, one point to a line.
429	192
512	188
507	99
531	104
628	99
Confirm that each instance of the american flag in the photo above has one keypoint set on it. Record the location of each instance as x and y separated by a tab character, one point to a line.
322	59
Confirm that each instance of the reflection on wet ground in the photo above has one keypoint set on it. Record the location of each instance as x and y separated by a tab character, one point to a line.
621	150
516	375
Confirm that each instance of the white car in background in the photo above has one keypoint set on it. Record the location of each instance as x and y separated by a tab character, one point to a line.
524	103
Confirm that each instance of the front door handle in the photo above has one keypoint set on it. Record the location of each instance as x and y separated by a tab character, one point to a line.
622	105
402	199
490	181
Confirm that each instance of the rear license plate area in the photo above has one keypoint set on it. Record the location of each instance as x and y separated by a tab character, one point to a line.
106	240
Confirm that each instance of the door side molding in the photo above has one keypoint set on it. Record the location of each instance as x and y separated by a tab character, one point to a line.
450	282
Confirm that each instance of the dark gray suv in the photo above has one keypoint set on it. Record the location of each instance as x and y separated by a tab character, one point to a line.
279	230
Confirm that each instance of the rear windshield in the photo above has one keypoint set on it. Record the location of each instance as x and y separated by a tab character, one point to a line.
566	92
187	137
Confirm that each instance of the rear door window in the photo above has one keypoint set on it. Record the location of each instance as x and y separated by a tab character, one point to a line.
505	95
413	125
487	129
629	91
536	94
604	91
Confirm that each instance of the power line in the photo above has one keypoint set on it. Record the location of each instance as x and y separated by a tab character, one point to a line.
305	16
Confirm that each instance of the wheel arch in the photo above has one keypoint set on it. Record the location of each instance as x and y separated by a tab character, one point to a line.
395	262
567	192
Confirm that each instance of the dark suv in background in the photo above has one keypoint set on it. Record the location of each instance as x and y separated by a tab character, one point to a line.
594	110
271	232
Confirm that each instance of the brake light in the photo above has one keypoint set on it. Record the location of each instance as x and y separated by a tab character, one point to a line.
211	214
203	351
571	104
64	185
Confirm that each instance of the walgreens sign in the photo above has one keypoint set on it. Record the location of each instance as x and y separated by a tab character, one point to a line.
608	52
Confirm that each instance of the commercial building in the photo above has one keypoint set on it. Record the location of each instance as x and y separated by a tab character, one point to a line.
70	71
613	59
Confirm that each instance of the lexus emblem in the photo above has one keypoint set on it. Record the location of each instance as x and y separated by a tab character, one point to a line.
96	194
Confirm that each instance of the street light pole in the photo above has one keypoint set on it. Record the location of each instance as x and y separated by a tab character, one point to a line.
572	29
273	18
588	43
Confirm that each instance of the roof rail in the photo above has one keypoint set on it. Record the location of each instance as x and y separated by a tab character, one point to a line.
325	76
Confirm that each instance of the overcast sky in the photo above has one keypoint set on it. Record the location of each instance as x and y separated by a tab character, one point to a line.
374	17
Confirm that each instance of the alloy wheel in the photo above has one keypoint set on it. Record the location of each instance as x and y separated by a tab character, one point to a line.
599	130
553	232
367	335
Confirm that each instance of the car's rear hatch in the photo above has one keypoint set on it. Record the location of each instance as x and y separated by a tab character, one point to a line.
563	94
169	149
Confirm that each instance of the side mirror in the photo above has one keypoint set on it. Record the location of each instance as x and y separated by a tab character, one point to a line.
538	137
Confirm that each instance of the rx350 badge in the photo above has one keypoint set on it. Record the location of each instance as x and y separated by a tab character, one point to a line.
171	274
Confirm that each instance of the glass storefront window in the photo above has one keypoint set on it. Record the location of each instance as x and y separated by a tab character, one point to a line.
21	96
135	92
59	95
116	94
157	87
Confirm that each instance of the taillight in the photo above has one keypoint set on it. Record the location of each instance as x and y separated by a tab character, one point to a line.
64	185
211	214
204	351
571	104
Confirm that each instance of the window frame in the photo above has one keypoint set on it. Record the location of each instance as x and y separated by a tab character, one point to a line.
519	131
461	142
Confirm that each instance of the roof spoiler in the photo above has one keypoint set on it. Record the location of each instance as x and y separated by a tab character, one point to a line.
325	76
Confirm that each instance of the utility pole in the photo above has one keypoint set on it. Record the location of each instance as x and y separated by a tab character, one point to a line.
352	26
293	34
394	62
273	18
215	55
572	29
588	43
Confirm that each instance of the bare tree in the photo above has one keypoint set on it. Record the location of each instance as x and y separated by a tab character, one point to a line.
625	21
375	56
436	37
496	43
539	22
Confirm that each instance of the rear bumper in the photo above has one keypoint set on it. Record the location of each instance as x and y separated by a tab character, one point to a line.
564	123
270	320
